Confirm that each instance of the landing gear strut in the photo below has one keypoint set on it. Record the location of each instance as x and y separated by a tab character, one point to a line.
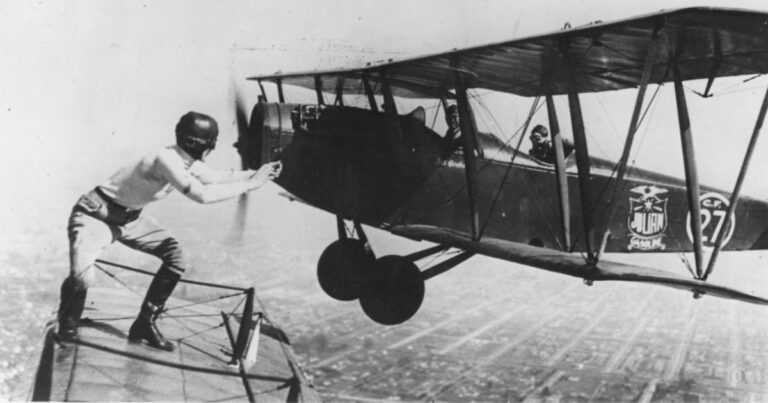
390	289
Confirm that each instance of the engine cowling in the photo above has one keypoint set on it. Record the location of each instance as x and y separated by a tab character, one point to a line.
270	130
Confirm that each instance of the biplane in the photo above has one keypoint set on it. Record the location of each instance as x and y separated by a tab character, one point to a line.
355	153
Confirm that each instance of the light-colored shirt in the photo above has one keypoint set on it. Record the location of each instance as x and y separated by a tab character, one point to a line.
151	178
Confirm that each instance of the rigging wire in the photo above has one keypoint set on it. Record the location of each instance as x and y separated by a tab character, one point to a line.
438	256
176	318
487	162
199	332
146	358
182	280
762	87
286	382
204	301
527	123
528	180
483	164
614	191
615	130
725	90
114	277
434	120
650	109
119	383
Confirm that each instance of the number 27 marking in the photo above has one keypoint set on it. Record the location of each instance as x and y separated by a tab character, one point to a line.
707	219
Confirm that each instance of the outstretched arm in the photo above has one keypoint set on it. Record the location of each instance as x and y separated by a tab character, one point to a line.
172	169
206	175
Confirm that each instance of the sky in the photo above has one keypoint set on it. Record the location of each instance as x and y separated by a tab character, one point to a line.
87	84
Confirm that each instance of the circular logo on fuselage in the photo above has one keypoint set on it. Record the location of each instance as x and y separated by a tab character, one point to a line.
714	208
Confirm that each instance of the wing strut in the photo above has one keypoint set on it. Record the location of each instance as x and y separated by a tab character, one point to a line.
389	99
319	90
691	173
369	93
390	108
263	93
339	92
468	133
737	188
560	175
716	62
582	156
633	126
280	96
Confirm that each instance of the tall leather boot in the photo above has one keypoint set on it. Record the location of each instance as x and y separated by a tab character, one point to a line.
71	307
144	327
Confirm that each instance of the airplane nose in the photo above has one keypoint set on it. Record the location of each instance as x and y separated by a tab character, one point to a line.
266	135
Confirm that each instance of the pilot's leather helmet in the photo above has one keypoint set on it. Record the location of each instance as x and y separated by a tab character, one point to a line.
541	130
196	133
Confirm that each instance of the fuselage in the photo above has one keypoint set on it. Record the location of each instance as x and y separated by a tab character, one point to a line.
366	166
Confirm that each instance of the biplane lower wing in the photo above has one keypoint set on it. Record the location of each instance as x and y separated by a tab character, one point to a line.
568	263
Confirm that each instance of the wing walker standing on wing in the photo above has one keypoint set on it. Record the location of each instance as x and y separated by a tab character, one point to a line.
112	212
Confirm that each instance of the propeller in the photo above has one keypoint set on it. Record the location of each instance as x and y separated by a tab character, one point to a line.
241	214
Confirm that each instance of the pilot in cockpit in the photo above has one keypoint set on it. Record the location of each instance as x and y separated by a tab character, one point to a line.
541	145
452	138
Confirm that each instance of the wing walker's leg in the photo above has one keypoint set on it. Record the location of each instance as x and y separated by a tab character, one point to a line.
691	174
560	176
737	186
468	132
633	126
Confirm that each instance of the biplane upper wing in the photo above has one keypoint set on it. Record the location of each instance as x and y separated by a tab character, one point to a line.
569	264
703	42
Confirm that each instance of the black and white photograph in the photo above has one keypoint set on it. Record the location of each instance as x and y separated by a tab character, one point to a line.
372	201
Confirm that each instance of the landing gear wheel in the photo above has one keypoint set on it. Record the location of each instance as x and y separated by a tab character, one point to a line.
343	269
396	292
